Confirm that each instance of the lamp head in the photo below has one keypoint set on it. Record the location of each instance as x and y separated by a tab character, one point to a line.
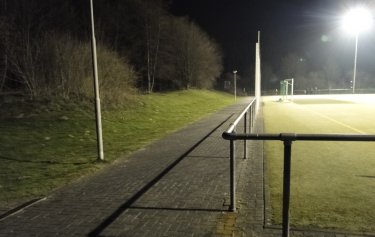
356	20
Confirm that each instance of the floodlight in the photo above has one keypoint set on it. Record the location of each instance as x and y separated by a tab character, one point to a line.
356	20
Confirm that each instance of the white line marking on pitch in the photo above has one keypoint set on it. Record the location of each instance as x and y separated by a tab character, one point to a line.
331	119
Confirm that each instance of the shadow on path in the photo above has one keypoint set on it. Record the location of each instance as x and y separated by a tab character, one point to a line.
109	220
176	209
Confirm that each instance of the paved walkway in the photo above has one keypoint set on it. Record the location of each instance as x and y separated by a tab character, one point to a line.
177	186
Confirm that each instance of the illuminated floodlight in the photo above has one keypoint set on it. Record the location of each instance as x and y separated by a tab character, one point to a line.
356	20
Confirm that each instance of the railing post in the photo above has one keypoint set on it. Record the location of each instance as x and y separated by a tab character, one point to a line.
245	141
250	120
286	186
232	176
252	117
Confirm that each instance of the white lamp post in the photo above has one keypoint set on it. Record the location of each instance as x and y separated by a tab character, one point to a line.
235	84
99	134
355	21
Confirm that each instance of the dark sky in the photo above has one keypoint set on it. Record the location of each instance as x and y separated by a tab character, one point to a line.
295	26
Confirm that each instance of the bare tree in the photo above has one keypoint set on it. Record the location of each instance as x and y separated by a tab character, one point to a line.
21	44
152	18
191	59
4	28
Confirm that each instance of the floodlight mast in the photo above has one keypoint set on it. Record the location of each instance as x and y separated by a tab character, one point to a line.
355	62
355	21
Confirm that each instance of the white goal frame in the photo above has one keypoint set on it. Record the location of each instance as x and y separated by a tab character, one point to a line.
289	83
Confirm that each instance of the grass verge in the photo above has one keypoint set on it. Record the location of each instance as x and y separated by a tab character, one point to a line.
333	183
43	149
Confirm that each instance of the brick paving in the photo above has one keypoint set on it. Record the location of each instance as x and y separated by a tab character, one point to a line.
177	186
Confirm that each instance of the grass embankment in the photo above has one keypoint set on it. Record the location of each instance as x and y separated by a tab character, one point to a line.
44	148
333	183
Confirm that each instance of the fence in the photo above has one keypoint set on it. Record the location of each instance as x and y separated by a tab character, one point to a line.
287	139
313	91
248	116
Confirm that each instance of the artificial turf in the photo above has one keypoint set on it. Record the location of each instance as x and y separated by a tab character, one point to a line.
333	183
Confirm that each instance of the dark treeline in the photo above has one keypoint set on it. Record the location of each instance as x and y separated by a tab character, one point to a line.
322	70
329	75
45	49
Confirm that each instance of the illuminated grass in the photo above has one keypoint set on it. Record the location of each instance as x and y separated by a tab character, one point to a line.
333	183
40	151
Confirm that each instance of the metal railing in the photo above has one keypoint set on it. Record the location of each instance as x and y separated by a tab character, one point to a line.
248	116
287	139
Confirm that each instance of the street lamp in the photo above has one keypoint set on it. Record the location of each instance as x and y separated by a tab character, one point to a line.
355	21
98	113
235	84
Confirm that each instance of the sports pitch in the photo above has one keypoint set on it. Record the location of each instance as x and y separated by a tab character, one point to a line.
333	183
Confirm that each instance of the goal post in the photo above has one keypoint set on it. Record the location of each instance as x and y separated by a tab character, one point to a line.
287	88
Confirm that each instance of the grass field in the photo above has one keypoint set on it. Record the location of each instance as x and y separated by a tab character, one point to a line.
43	148
333	183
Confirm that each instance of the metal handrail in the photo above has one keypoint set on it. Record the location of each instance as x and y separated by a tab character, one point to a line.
288	139
248	113
233	125
300	137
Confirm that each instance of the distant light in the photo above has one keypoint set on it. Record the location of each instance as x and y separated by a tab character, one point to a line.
356	20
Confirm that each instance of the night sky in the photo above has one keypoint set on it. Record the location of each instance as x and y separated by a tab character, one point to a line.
310	29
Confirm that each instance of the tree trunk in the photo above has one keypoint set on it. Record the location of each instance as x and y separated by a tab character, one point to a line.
148	42
5	70
5	51
155	57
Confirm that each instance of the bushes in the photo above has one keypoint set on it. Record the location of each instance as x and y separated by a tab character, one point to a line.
117	77
45	49
62	67
191	59
70	67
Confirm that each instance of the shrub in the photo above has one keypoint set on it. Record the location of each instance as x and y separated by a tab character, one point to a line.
66	70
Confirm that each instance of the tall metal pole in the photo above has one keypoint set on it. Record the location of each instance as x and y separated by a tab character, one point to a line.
235	84
99	134
355	61
257	74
